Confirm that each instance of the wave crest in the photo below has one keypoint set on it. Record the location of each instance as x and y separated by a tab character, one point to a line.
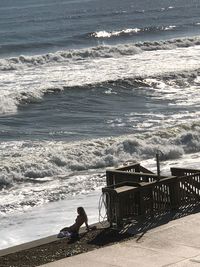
105	34
9	102
48	159
131	31
103	51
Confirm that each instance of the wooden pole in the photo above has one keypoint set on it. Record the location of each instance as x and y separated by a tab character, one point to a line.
158	164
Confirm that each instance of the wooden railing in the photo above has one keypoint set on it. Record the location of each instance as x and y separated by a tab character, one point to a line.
183	171
136	167
134	194
188	185
134	173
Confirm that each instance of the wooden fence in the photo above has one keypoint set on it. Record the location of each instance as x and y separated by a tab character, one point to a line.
133	192
188	181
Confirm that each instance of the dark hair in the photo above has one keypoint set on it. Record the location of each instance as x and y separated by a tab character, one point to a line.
82	212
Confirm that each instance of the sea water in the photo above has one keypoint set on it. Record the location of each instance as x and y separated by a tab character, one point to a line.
86	85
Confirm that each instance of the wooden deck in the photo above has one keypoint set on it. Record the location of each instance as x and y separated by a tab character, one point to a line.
134	192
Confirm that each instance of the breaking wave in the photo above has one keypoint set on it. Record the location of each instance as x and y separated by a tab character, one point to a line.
105	34
10	102
64	56
131	31
103	51
35	161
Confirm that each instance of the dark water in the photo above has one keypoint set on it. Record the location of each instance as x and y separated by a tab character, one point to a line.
86	113
29	27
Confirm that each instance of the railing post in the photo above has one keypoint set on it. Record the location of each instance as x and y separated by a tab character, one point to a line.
109	178
118	212
158	165
141	202
174	194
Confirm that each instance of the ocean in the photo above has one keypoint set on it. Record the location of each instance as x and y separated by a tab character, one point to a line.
86	85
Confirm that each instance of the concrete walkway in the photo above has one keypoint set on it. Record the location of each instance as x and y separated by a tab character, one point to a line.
176	243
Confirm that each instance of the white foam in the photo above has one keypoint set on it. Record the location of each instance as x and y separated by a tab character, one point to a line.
170	27
166	8
8	105
105	34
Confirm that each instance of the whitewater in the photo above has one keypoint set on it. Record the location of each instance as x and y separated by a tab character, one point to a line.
95	88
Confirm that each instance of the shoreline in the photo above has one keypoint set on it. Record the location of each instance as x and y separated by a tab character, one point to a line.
51	248
43	241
